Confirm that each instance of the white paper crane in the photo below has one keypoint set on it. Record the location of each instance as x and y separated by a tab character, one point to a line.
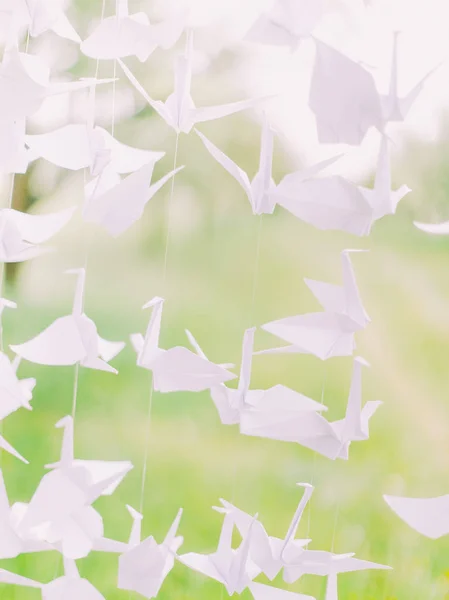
14	157
15	393
25	84
179	110
37	16
144	565
312	430
124	35
176	369
346	102
116	204
336	203
260	591
11	542
270	553
428	516
60	510
77	146
256	405
233	568
343	97
71	339
68	587
262	191
329	333
327	564
286	23
21	233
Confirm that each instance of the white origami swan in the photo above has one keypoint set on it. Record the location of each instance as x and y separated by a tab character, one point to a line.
270	553
262	191
60	511
329	333
179	110
124	35
69	586
144	565
176	369
233	568
312	430
286	23
21	233
71	339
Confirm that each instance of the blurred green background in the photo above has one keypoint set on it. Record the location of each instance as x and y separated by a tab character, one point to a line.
228	270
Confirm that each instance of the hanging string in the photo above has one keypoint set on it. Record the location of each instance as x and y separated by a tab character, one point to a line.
164	280
315	454
89	237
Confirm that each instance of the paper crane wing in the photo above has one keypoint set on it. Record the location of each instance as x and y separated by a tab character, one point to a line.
239	175
329	203
322	334
343	97
260	591
58	344
179	369
67	147
428	516
39	228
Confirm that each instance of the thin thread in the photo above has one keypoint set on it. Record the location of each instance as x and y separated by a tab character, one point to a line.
147	447
251	316
164	277
315	454
337	514
256	269
87	251
169	211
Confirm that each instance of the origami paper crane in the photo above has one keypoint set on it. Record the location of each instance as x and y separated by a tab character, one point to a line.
232	404
116	204
346	102
71	339
179	110
428	516
78	146
270	553
262	191
69	586
125	35
176	369
11	542
286	23
312	430
25	83
14	393
144	565
14	156
21	233
232	568
329	333
60	511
